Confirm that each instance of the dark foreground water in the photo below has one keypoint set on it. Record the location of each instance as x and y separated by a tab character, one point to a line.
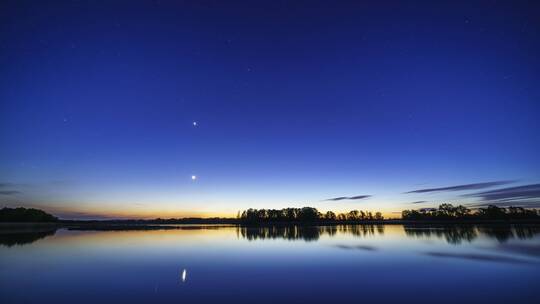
325	264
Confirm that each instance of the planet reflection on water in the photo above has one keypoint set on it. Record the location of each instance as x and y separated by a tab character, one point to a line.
183	276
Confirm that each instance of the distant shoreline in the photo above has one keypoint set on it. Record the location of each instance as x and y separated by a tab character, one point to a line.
446	214
22	227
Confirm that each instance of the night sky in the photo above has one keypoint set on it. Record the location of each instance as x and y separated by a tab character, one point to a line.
378	106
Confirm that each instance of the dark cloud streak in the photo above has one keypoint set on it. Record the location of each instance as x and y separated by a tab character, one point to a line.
513	193
525	196
475	186
357	197
9	192
337	198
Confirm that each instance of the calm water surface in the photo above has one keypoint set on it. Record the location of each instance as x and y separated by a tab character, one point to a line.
325	264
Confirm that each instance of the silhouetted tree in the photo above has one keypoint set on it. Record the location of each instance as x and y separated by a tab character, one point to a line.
25	215
353	215
362	215
330	216
449	212
492	212
369	216
305	214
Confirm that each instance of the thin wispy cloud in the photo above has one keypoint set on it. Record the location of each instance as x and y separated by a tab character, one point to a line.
337	198
13	185
418	202
475	186
8	188
523	204
526	195
81	215
356	197
9	192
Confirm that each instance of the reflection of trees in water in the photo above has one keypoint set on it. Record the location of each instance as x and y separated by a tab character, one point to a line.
505	232
307	233
526	232
455	234
357	230
10	239
285	232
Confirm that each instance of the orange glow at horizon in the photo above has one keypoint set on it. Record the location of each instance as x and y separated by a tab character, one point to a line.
146	214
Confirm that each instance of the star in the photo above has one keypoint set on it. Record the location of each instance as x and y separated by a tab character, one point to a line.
195	124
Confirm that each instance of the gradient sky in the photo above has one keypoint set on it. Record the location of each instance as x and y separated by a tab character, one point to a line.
296	103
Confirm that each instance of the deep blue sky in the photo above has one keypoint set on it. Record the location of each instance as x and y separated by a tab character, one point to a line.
295	103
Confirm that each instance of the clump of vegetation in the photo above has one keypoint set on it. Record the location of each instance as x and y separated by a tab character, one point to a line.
449	212
305	214
444	212
25	215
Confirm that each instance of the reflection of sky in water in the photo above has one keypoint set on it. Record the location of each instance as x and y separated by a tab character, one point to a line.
267	265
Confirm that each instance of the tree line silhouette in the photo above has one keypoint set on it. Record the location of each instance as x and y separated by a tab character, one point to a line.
305	214
445	212
450	212
25	215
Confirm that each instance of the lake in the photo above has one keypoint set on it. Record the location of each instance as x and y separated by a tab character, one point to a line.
287	264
